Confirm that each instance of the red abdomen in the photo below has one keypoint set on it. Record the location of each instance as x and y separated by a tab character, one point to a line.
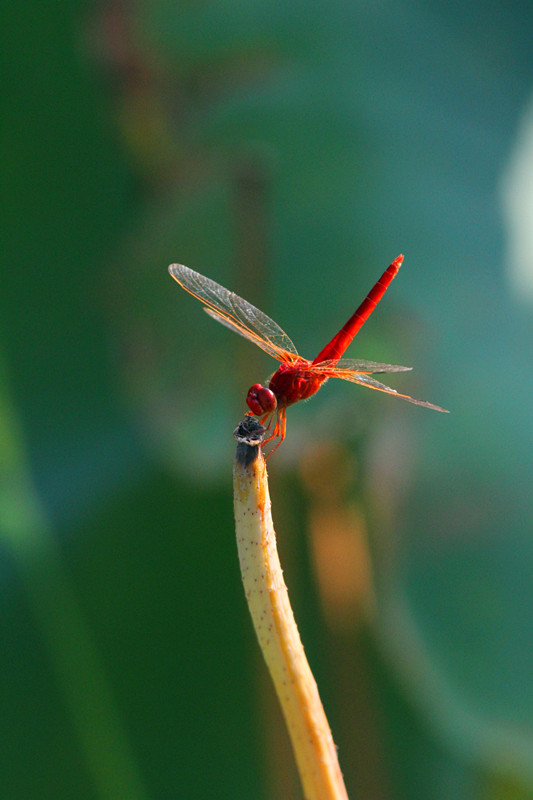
292	383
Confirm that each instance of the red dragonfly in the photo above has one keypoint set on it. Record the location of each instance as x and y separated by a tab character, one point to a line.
297	378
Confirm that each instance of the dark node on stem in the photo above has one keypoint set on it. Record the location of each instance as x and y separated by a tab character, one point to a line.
249	434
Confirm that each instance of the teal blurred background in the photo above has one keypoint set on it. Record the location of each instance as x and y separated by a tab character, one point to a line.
290	152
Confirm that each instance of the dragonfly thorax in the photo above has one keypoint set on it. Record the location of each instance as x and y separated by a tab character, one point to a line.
293	382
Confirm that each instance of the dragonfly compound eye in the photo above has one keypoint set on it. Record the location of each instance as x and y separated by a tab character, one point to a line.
261	400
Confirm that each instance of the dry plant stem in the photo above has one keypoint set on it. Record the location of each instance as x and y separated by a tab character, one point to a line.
268	600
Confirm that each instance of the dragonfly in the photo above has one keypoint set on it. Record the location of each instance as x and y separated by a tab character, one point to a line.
297	378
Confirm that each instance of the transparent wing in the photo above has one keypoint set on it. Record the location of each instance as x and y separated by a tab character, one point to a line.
355	365
236	313
282	354
366	380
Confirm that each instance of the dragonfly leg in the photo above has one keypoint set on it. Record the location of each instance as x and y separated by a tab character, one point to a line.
276	432
268	416
279	431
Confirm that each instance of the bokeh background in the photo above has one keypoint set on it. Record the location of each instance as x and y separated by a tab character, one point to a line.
290	152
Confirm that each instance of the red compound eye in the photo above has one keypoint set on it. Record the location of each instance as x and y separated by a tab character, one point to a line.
261	400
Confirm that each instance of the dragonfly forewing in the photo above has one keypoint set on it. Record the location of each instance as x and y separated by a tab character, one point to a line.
236	313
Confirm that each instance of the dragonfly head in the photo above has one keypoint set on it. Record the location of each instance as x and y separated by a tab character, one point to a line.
261	400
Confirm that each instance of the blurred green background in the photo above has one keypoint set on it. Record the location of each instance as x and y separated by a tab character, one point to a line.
290	152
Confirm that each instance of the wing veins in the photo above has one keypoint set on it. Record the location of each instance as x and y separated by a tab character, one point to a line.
236	313
359	366
371	383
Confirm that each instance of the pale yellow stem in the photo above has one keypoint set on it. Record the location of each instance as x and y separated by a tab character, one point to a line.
276	629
